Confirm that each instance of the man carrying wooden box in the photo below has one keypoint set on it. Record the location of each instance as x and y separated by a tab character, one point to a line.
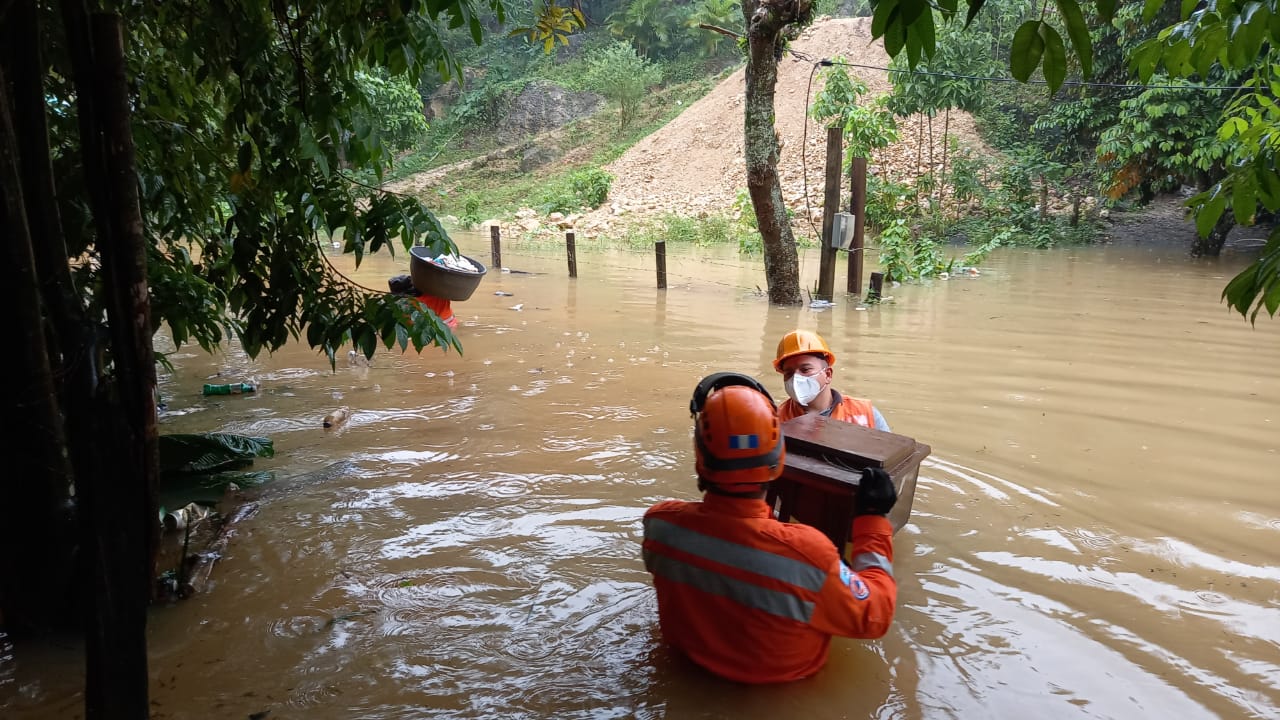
740	593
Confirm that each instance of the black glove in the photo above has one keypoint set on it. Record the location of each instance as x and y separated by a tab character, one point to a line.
876	493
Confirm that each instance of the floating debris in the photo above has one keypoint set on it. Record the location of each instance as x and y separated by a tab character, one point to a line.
337	417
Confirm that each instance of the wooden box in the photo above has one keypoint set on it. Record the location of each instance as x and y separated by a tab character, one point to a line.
823	467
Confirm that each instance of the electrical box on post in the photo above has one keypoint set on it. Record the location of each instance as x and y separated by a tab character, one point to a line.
842	230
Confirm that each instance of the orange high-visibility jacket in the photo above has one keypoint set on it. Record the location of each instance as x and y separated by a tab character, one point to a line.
756	600
849	409
440	306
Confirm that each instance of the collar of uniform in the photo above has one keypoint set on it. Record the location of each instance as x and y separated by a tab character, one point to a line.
835	401
740	507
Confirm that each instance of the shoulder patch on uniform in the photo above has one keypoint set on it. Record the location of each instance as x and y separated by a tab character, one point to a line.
851	580
860	589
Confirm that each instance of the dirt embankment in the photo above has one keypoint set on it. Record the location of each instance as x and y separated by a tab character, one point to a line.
694	165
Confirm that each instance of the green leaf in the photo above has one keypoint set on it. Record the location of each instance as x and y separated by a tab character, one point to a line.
884	14
1177	58
1230	127
1055	57
913	49
1209	47
974	7
910	11
210	452
1028	46
1207	214
1243	200
1106	10
1259	281
1268	187
894	37
924	27
1079	34
1144	58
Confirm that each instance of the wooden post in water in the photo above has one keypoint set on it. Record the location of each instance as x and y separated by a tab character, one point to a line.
571	249
876	291
495	247
660	260
830	203
858	207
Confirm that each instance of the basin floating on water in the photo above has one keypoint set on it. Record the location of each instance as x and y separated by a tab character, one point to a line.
433	278
823	468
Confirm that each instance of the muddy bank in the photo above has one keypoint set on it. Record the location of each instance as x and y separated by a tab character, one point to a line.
1164	222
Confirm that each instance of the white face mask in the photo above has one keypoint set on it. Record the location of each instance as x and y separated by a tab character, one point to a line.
802	388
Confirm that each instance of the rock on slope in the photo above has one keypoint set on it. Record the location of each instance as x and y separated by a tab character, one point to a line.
694	164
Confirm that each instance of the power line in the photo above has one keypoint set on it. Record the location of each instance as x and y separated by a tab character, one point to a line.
1074	83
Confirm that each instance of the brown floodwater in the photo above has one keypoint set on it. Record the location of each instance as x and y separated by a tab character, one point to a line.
1096	535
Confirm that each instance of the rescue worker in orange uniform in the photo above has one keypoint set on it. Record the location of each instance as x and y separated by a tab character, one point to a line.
806	363
440	306
403	285
748	597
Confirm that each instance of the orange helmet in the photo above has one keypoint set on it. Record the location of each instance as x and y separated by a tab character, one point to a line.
802	342
737	437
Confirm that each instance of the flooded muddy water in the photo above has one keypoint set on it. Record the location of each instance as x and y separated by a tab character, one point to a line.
1096	535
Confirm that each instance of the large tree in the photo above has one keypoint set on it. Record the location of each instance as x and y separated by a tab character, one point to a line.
176	165
769	24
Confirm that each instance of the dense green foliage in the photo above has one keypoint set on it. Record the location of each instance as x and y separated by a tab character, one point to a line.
393	108
245	158
1206	41
867	127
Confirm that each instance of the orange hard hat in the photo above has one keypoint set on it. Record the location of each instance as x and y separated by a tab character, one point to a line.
737	438
802	342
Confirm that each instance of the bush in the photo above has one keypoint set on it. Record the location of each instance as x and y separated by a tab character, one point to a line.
470	213
906	255
580	189
591	186
623	77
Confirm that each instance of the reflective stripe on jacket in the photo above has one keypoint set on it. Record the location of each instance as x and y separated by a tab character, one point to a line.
756	600
848	409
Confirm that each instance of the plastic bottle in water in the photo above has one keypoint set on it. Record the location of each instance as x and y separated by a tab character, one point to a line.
230	389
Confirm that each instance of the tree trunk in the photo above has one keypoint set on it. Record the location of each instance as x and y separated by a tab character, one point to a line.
118	501
932	183
35	549
760	146
1211	246
946	131
919	145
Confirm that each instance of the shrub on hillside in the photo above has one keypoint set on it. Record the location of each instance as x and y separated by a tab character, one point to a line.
621	76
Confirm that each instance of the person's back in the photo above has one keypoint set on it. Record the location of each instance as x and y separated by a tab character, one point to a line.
748	597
